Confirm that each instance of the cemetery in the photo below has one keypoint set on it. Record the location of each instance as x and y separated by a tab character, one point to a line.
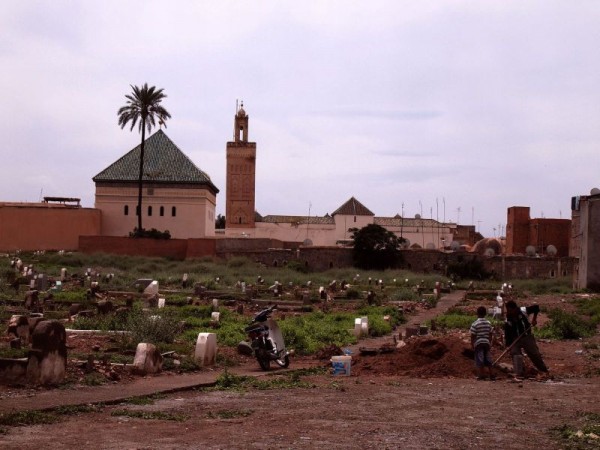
76	321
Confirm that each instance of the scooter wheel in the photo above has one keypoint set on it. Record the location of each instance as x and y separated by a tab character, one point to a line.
264	362
283	362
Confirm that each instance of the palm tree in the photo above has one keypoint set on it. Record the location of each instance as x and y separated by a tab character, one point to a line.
143	104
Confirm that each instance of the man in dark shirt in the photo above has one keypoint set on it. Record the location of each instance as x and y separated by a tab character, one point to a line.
517	330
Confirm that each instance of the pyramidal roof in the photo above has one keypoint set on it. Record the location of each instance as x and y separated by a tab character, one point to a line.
164	162
353	208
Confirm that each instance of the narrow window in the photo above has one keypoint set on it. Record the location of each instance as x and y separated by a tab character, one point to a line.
126	210
149	210
173	211
240	220
162	211
355	219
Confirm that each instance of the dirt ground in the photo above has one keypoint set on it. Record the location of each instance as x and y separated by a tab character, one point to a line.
422	395
379	412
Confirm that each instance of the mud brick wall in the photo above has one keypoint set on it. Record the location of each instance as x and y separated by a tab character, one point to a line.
510	267
165	248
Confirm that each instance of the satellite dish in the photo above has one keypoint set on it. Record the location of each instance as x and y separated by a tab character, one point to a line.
455	245
595	191
489	252
406	243
430	246
307	242
530	250
417	216
551	250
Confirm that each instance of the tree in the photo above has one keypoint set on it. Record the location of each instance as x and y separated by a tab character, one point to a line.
220	222
375	247
143	105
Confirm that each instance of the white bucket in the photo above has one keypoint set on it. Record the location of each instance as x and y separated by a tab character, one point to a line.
341	365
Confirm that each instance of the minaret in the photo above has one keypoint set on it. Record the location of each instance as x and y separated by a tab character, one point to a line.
241	173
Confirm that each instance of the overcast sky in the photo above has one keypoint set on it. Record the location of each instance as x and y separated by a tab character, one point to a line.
475	105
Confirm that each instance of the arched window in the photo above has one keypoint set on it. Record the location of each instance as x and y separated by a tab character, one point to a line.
126	210
162	211
149	210
173	211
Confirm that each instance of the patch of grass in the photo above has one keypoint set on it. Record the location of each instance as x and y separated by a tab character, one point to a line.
290	380
229	413
562	285
150	415
13	352
455	320
145	399
27	418
94	379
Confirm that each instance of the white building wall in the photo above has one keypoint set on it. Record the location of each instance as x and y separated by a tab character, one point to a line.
193	215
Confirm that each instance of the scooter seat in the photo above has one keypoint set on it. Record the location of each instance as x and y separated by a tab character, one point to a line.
255	327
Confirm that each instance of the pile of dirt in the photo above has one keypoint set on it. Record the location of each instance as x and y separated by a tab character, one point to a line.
327	352
425	357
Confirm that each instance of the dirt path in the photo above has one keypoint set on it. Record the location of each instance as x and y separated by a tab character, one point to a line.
444	304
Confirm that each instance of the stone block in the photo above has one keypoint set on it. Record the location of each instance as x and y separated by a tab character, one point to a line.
47	362
147	359
206	349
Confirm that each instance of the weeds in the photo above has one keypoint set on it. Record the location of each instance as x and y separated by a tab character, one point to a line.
150	415
145	399
28	418
229	413
583	437
231	382
565	325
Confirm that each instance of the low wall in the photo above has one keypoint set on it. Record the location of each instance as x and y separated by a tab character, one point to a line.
273	253
41	226
165	248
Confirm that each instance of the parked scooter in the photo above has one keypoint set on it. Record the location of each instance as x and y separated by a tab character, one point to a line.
267	341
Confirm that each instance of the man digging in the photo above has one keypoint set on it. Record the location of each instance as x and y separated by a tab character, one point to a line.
518	336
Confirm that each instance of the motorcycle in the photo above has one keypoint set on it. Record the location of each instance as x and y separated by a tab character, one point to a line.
266	340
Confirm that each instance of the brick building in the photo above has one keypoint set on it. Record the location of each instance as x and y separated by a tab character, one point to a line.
522	231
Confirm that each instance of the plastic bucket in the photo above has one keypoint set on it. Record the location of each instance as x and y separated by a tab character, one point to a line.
341	365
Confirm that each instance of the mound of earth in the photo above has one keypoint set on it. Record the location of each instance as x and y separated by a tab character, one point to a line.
427	357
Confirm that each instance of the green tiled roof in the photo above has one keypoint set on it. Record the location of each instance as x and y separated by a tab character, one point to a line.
164	162
353	208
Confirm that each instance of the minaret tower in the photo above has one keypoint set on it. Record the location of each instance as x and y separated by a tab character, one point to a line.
241	175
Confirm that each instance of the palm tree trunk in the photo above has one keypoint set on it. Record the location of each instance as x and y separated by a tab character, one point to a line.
139	206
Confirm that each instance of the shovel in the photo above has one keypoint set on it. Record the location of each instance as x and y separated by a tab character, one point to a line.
511	346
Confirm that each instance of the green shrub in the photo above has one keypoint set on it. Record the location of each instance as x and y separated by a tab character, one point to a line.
404	294
565	325
471	269
298	266
152	328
